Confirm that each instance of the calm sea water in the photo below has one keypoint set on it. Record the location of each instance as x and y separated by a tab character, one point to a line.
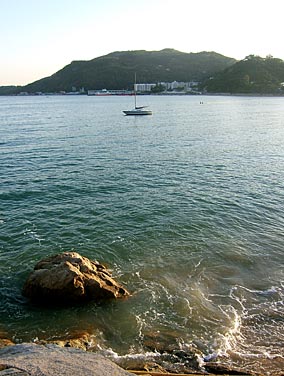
185	206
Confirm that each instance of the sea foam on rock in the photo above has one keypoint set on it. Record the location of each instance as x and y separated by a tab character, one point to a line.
70	278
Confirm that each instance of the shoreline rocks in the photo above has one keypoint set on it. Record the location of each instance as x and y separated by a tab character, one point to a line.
20	359
81	340
50	360
4	339
71	278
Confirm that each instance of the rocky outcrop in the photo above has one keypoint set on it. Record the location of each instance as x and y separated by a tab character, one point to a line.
4	339
51	360
80	340
5	342
70	277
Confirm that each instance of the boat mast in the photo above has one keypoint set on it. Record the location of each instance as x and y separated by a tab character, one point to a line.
135	90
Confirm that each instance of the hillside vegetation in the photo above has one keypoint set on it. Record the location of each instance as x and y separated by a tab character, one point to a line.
251	75
116	70
215	72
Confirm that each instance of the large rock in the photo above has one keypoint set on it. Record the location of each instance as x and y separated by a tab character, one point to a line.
70	277
51	360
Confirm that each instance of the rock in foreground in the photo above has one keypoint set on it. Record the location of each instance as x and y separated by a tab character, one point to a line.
51	360
69	277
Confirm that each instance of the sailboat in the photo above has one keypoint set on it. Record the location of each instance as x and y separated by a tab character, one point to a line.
137	110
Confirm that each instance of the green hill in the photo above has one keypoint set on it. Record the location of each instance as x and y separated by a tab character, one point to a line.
251	75
8	90
116	70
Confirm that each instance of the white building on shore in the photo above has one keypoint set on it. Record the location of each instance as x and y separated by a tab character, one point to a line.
169	86
141	88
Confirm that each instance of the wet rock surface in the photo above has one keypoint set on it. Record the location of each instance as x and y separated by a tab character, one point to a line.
71	278
221	369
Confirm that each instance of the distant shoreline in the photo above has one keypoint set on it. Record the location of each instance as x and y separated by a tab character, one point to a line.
145	94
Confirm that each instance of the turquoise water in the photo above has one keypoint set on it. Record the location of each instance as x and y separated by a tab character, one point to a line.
185	206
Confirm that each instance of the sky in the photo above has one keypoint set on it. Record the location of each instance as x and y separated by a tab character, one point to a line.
40	37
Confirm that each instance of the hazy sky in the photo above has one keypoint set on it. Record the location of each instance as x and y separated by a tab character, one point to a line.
39	37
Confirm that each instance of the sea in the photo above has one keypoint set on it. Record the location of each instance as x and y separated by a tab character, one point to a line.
185	207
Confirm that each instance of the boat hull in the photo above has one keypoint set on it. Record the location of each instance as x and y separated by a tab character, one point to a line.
138	112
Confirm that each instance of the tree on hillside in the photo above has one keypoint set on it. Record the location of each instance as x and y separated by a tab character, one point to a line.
253	74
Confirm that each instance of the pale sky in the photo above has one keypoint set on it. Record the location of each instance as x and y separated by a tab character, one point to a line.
39	37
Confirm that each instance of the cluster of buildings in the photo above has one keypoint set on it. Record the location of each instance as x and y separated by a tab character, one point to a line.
163	87
174	87
169	86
